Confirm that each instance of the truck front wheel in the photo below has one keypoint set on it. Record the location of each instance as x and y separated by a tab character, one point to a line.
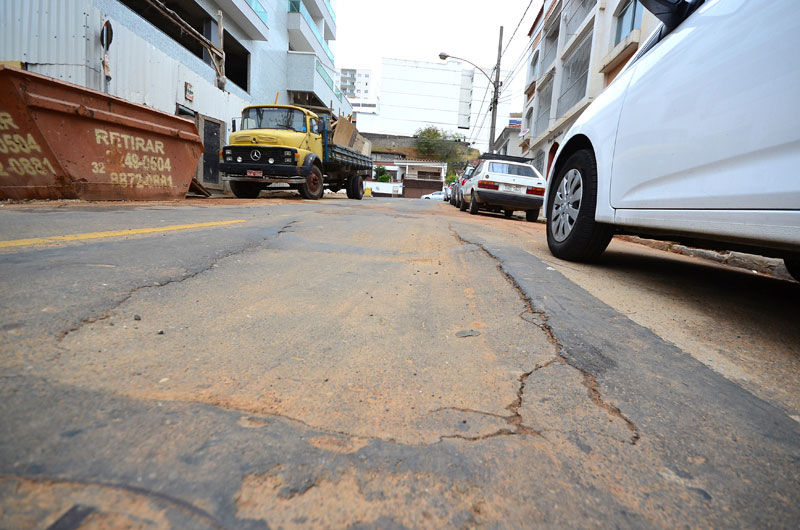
312	188
245	190
355	187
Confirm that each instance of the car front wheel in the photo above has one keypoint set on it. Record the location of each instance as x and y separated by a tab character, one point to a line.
572	232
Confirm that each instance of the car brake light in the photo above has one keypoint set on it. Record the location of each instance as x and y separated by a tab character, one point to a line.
535	191
488	184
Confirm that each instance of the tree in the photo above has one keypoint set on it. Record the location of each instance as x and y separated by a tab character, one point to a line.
430	141
438	144
381	175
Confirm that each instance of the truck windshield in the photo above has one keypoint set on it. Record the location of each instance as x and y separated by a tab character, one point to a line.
273	118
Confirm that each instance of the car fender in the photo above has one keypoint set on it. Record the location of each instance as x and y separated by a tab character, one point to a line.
597	126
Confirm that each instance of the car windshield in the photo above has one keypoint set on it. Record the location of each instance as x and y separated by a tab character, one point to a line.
273	118
511	169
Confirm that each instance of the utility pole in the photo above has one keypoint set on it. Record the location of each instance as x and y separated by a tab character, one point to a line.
495	97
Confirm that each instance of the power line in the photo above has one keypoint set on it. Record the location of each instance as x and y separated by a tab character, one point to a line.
516	29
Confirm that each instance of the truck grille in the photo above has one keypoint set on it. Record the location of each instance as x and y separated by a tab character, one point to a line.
259	155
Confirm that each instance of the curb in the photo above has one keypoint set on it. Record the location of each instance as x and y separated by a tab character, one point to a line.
773	267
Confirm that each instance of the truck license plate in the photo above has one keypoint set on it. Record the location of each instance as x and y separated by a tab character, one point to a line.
255	173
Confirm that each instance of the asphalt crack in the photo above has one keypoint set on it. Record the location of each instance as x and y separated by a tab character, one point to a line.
212	264
540	319
514	419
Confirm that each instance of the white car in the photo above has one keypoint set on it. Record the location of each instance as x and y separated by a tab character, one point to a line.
696	141
435	195
506	183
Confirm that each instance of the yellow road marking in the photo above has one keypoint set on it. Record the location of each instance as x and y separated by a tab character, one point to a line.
113	233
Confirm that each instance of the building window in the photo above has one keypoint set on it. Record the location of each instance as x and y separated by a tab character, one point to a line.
237	62
550	44
429	175
575	76
543	108
534	67
529	119
538	161
629	19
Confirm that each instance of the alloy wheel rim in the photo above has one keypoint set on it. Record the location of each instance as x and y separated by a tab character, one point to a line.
566	205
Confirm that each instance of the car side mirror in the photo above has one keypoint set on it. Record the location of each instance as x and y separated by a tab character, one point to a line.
670	12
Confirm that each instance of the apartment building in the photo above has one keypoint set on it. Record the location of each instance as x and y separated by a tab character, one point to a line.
165	54
359	86
447	95
577	48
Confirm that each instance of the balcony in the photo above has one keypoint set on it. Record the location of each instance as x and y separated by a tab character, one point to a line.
311	84
250	15
304	34
322	9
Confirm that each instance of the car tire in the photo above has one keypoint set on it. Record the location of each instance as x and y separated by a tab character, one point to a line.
313	187
473	204
532	215
508	213
572	232
245	190
462	205
793	266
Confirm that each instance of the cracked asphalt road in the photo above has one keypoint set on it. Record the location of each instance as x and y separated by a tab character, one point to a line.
387	363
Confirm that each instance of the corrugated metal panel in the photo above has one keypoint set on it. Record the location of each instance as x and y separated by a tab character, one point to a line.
45	32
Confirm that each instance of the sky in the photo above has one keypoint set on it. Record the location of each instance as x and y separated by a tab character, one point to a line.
368	30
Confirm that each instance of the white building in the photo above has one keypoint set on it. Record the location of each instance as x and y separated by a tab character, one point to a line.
162	55
359	85
446	95
577	48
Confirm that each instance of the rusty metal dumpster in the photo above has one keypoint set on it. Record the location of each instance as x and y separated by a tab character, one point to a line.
63	141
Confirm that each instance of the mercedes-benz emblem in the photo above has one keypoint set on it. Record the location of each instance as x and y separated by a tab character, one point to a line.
255	155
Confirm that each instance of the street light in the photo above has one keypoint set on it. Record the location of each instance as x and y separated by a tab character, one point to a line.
495	83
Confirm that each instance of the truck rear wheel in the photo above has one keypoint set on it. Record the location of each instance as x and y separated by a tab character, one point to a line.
355	187
245	190
312	188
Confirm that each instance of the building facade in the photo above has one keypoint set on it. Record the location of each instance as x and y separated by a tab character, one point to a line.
577	48
162	54
359	86
446	95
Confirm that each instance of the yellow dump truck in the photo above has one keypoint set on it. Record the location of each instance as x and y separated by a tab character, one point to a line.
283	144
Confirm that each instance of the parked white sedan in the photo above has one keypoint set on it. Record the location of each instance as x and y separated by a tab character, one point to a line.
437	195
504	183
697	140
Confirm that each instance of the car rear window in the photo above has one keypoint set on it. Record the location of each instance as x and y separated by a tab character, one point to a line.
511	169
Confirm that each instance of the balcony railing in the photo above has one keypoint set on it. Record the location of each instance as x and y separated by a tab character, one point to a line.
330	10
574	14
543	112
296	6
576	72
549	47
328	81
259	10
